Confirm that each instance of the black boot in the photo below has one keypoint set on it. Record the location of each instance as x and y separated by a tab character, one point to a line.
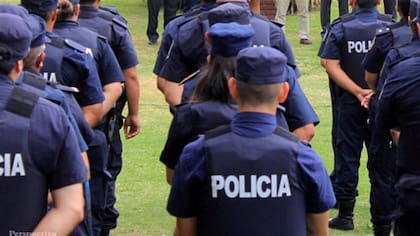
381	230
344	220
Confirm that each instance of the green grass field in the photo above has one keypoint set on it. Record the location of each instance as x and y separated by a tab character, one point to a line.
141	188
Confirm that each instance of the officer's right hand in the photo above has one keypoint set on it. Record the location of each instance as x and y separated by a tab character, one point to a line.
363	94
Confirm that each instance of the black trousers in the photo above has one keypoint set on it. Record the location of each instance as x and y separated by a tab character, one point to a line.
343	8
153	7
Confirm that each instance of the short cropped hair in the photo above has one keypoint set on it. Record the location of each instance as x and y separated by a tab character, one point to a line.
257	94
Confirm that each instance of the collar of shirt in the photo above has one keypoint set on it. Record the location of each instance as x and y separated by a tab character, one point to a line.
65	24
366	13
253	124
88	11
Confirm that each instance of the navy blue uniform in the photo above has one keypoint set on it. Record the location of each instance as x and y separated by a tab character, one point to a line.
348	41
40	153
72	67
294	185
398	106
187	56
111	25
106	62
109	72
171	30
64	97
191	120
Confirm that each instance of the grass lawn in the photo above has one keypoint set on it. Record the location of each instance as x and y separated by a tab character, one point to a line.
141	188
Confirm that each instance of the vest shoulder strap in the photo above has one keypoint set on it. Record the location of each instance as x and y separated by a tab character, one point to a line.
113	16
21	102
34	81
217	132
385	17
346	18
57	42
286	134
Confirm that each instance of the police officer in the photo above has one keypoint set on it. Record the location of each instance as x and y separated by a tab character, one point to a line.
381	163
111	78
68	63
257	193
398	108
40	152
345	45
392	36
171	29
107	22
187	56
211	104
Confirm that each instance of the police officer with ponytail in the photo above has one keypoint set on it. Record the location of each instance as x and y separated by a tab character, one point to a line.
40	152
341	52
252	177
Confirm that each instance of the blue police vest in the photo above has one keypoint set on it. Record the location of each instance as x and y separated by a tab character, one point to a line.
252	186
401	34
56	93
23	187
54	58
358	37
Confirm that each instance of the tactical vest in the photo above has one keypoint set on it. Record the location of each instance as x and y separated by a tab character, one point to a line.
23	187
54	53
56	93
357	39
252	185
401	34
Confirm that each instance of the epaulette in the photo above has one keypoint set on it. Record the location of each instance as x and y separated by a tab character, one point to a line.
386	17
110	9
186	20
76	46
101	37
278	24
382	31
116	18
64	88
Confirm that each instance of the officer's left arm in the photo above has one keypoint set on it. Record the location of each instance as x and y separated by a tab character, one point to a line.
132	86
185	226
317	224
67	213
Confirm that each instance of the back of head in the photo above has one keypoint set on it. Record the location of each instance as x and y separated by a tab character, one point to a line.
15	40
87	2
367	3
42	8
36	24
226	40
66	9
259	73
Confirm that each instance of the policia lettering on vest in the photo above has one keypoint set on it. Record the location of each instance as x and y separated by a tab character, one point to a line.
11	164
266	182
263	186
